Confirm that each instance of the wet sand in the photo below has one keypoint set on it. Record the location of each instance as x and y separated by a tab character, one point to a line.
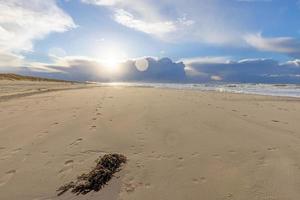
179	144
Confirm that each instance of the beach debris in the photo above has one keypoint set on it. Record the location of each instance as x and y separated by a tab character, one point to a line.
97	178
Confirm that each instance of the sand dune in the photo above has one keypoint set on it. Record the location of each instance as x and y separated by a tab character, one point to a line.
17	77
179	144
10	89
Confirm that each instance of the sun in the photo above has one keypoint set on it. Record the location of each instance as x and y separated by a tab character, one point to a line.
112	57
111	63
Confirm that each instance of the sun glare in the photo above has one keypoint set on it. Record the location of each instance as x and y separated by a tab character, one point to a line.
112	58
111	64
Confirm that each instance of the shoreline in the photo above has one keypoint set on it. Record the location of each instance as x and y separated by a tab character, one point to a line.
205	87
72	85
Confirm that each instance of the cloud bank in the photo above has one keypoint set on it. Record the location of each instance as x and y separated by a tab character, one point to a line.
245	71
87	69
193	70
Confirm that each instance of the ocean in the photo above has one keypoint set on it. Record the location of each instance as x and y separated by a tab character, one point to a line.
284	90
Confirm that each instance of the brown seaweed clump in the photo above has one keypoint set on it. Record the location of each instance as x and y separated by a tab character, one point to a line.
97	177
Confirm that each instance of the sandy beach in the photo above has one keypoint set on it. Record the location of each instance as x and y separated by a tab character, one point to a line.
180	144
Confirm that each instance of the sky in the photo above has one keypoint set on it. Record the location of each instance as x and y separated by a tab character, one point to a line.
256	41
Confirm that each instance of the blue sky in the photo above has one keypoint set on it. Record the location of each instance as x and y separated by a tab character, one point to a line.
43	36
96	23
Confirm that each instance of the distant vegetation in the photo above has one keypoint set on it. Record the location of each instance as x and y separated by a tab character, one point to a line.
16	77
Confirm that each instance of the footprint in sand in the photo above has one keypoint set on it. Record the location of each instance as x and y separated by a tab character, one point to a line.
195	180
275	121
139	164
148	185
129	187
7	177
261	161
195	154
76	142
16	150
68	162
272	149
217	156
229	196
5	156
180	158
2	148
68	167
202	179
42	134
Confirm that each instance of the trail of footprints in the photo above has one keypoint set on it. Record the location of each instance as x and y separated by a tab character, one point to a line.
130	184
261	160
68	165
8	175
97	114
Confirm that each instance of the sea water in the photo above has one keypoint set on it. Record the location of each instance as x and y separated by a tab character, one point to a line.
287	90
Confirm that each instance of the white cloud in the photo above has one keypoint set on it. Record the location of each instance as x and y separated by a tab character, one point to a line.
156	28
295	63
198	20
207	60
24	21
102	2
252	60
287	45
10	60
144	16
216	78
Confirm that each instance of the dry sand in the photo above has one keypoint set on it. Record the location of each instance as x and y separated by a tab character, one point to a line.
180	144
